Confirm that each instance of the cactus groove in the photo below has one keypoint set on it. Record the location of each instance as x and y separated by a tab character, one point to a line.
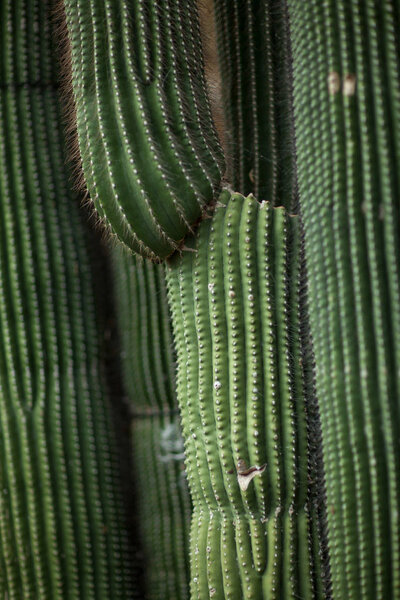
347	109
150	155
235	308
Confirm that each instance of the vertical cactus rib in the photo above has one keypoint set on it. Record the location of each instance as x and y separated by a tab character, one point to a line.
347	145
61	533
235	304
150	155
254	57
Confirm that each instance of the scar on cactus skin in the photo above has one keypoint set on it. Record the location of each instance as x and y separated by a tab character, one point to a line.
245	474
212	74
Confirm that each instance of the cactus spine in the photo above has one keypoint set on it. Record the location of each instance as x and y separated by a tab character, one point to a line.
235	308
150	154
346	98
61	532
162	495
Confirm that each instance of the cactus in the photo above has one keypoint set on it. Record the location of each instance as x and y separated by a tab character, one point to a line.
235	307
289	402
145	329
149	151
147	358
163	504
346	100
61	525
254	58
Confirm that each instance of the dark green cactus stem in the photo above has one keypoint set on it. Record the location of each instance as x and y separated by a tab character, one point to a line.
163	504
148	357
145	329
61	531
235	305
347	108
254	57
150	155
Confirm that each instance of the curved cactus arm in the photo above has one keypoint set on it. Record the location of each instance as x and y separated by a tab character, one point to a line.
346	97
149	150
235	307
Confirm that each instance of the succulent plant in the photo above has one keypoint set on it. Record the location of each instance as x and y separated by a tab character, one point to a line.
346	100
148	365
62	532
285	313
236	310
150	156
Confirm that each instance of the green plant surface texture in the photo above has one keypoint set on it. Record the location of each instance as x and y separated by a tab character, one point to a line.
62	531
254	58
147	349
150	155
148	363
347	109
163	504
235	305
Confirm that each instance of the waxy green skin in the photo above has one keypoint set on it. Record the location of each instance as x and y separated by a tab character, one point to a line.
150	155
62	531
163	504
254	60
347	107
235	310
147	349
161	491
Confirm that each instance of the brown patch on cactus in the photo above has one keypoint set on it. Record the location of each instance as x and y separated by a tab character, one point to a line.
213	78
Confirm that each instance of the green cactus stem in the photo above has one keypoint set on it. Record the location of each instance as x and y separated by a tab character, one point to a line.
235	307
347	107
254	58
163	504
144	320
148	358
150	155
61	529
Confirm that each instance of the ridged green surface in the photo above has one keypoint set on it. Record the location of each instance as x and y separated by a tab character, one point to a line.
148	364
61	528
163	505
347	107
149	151
254	56
147	352
235	306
